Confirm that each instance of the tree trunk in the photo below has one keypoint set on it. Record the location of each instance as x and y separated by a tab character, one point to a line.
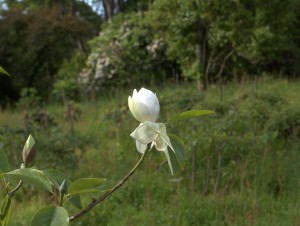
109	8
201	55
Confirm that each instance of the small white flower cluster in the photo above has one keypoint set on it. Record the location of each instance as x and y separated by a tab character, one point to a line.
145	108
103	68
155	46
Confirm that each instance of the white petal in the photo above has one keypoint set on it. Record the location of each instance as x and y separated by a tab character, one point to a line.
134	92
160	144
141	147
146	103
143	112
164	136
134	110
146	132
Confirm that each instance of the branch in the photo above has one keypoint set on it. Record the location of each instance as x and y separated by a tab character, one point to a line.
12	192
224	62
94	202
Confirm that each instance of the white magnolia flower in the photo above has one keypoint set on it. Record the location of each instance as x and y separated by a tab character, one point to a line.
144	105
151	132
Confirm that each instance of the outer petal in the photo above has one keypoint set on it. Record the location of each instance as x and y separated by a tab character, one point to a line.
146	132
140	147
134	109
160	144
146	105
164	136
150	99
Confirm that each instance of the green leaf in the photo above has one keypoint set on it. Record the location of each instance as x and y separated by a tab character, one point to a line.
51	216
3	161
3	71
189	115
178	148
76	201
5	211
31	176
85	185
56	177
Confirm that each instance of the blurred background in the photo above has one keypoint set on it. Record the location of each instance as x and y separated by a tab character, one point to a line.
73	65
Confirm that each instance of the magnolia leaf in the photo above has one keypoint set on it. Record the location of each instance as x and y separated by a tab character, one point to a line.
189	114
76	201
178	148
5	211
85	185
56	177
3	71
31	176
51	216
3	161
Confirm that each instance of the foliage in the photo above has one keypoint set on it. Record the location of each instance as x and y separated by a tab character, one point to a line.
36	40
258	178
29	99
66	80
125	52
243	33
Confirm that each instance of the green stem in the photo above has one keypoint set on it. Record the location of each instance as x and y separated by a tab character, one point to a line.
61	199
94	202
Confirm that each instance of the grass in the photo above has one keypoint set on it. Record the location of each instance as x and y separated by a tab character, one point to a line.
246	157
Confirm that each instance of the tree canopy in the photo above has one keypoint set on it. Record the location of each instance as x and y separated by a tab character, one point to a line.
144	41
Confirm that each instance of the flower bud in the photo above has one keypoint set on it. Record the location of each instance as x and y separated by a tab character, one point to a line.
63	188
144	105
29	150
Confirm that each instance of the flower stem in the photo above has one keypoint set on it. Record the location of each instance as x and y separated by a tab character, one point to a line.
94	202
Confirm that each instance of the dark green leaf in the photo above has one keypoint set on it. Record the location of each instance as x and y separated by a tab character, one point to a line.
51	216
189	115
76	201
3	71
85	185
31	176
178	147
5	211
56	177
3	161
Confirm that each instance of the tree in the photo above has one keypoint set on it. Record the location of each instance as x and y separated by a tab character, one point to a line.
34	41
215	33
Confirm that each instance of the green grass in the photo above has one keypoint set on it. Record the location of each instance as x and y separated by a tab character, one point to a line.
254	133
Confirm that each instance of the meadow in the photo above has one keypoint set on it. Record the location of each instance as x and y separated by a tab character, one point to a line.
242	162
